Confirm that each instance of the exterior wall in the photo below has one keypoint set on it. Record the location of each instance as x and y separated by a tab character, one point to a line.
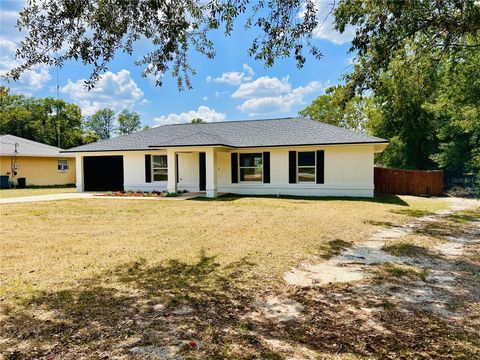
39	170
134	171
348	172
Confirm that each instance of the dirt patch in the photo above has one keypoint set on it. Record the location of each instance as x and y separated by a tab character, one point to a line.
424	279
279	309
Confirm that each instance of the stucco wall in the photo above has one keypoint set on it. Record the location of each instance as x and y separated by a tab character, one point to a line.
348	172
134	171
39	170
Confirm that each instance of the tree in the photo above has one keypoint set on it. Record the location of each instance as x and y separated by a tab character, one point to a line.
430	28
95	31
128	122
101	123
456	107
198	121
354	114
37	119
402	90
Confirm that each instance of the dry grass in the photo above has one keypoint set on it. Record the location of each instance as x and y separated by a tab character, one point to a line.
31	191
50	245
94	278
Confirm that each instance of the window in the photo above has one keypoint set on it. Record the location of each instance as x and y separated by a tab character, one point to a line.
159	167
62	165
306	166
251	167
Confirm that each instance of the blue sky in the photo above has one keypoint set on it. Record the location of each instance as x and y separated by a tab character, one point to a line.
233	86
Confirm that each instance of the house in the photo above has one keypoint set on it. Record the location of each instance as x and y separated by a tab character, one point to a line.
38	163
290	156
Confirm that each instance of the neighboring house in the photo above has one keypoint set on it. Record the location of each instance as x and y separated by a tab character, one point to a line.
40	164
292	156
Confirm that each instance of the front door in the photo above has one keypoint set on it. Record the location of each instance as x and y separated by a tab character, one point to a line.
202	171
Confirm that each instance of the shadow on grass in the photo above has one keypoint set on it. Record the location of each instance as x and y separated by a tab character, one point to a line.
333	248
466	216
204	311
380	223
136	306
407	250
412	212
382	199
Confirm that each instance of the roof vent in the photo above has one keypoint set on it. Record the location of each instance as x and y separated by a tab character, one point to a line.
17	145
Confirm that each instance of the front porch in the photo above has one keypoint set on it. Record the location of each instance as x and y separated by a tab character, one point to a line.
205	173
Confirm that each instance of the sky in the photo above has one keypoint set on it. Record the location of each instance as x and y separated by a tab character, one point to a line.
232	86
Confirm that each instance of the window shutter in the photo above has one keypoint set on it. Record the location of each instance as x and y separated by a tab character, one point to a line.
148	168
234	163
320	167
292	167
266	167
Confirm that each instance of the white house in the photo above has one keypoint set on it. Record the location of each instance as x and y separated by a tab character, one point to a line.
291	156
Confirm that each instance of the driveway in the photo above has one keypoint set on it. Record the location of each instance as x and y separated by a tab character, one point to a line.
91	195
49	197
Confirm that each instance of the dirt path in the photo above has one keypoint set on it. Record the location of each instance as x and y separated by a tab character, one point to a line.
354	263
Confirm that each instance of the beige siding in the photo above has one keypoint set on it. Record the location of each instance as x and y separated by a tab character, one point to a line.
39	170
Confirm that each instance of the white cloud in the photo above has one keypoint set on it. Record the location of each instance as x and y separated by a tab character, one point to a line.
326	30
233	77
263	86
30	80
220	93
8	20
270	94
203	112
248	69
114	91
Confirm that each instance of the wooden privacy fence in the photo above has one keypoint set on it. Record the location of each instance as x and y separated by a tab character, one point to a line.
408	182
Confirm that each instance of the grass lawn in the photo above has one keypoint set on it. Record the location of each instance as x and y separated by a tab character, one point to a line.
99	276
36	190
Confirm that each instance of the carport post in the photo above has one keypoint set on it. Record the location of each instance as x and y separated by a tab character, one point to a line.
79	172
172	171
211	172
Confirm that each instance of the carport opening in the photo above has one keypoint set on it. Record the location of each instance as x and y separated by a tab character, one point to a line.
103	173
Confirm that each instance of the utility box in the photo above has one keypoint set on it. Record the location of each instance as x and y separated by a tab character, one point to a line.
4	182
22	182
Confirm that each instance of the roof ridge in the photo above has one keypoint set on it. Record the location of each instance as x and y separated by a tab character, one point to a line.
237	121
31	141
197	133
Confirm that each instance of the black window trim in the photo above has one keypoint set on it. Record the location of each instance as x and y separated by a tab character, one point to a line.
240	181
314	166
151	168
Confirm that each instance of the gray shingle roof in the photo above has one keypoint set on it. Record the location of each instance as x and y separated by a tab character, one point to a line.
236	134
26	147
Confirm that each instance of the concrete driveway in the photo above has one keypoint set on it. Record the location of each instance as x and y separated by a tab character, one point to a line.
48	197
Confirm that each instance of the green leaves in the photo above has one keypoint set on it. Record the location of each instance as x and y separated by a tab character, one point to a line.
128	122
334	108
95	31
102	123
37	119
